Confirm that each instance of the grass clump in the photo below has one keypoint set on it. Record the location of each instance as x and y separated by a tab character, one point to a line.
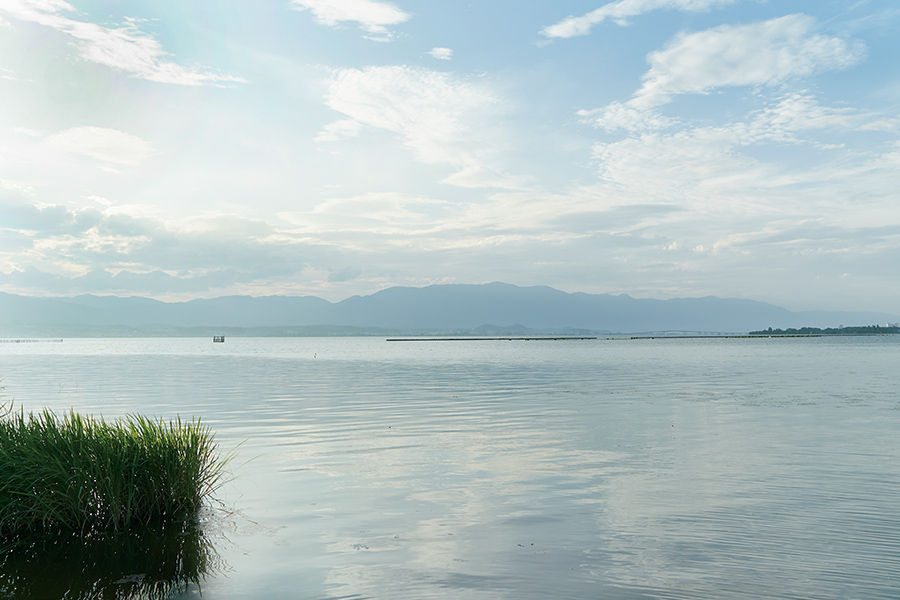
92	478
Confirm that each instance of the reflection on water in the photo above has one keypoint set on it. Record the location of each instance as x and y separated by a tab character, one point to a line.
153	563
613	469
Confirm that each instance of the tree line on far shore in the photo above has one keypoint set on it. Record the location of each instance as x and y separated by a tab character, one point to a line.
861	330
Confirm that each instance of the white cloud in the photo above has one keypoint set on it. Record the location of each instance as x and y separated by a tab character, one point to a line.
339	130
441	117
426	108
621	116
621	10
12	186
891	159
692	167
737	168
778	122
375	213
27	132
100	200
125	48
106	145
760	54
881	124
372	16
441	53
794	113
482	176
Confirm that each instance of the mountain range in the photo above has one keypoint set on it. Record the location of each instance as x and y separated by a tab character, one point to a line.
455	309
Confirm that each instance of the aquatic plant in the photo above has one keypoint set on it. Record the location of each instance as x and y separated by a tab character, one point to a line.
90	477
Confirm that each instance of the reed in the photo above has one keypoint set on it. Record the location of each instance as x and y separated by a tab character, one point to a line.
93	477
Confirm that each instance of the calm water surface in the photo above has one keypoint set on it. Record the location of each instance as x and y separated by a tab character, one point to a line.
609	469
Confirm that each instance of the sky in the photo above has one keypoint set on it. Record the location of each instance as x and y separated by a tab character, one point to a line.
657	148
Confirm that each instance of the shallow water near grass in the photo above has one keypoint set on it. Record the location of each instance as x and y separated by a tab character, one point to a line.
615	469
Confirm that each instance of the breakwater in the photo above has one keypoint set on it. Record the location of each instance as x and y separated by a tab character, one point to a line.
491	339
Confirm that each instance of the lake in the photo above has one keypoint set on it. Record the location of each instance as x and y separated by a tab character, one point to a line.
615	469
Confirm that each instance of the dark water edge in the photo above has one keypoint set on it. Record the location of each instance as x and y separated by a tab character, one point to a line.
598	469
154	562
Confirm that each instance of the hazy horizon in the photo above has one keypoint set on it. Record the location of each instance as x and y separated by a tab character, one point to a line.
331	148
493	308
495	283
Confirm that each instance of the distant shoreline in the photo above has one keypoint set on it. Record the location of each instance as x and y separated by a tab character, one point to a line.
854	330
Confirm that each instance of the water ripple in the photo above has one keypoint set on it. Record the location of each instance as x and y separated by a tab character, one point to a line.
671	469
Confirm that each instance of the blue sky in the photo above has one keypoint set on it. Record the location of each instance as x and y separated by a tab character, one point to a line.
660	148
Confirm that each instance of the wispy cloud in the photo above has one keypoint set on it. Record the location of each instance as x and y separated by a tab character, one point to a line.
689	167
378	214
620	11
728	177
439	116
125	48
621	116
759	54
441	53
801	111
104	144
676	150
339	130
8	74
12	186
373	16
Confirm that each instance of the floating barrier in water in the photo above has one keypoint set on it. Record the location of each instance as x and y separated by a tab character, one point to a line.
13	341
490	339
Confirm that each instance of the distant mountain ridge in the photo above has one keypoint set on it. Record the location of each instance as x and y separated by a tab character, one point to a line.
437	308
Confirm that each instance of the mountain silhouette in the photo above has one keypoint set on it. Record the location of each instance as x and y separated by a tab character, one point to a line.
436	308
